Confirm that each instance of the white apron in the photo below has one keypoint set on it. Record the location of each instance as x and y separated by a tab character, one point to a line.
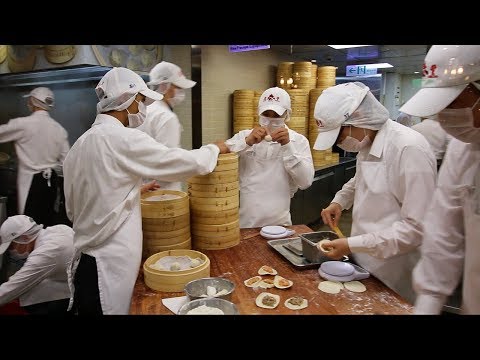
395	272
24	181
118	262
471	272
266	198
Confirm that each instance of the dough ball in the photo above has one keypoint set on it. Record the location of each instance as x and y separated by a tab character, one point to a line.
268	138
175	266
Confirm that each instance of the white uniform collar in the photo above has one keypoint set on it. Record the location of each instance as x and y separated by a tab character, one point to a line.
106	119
378	143
41	112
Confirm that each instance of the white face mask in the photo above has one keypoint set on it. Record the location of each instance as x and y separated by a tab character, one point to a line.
271	124
15	255
351	144
178	98
459	123
135	120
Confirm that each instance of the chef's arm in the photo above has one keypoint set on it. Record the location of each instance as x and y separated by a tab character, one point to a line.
237	142
36	268
439	270
344	197
413	190
11	131
297	160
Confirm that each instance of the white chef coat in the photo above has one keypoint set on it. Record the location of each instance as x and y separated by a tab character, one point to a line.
451	243
435	135
390	192
270	174
43	277
40	143
163	125
102	179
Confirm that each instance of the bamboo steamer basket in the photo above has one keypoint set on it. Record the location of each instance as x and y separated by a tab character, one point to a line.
174	281
3	53
21	57
215	204
216	243
215	235
155	233
166	208
153	247
59	54
209	194
214	188
214	177
227	159
167	224
214	217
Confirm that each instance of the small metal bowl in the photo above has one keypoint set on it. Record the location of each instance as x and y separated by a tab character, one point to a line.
227	307
198	287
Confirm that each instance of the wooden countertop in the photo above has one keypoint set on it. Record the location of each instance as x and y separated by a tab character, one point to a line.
243	261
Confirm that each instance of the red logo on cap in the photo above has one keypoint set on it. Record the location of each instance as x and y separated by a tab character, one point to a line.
319	123
271	97
431	73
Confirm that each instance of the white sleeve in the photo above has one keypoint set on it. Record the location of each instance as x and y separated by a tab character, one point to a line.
439	270
237	142
414	186
11	131
64	148
346	194
297	160
140	154
36	268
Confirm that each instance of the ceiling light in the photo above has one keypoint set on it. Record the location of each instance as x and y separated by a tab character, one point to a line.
313	61
346	46
416	72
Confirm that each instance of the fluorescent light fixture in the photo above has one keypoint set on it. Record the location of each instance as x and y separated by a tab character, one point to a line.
346	46
416	72
378	66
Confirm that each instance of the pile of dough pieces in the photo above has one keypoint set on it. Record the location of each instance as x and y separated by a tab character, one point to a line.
176	263
212	292
268	300
334	287
205	310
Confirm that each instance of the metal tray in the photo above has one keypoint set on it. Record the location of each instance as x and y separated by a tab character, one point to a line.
281	246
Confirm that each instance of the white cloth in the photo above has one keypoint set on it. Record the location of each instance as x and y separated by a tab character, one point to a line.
270	174
102	179
174	304
435	135
40	143
43	277
391	190
163	125
451	244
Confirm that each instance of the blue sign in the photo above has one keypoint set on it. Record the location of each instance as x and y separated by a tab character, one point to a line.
359	70
240	48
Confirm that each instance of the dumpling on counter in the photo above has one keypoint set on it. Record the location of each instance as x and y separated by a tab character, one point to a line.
296	303
267	300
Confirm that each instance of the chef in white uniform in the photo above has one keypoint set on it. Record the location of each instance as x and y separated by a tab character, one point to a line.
41	283
41	144
103	175
162	123
435	135
451	244
271	171
391	190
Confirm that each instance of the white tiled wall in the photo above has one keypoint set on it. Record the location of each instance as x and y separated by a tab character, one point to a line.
222	73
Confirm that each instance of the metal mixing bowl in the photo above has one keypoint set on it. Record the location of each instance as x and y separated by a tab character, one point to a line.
198	287
227	307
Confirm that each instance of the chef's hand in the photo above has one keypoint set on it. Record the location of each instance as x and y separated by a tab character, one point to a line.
281	136
152	185
224	149
336	248
331	214
256	136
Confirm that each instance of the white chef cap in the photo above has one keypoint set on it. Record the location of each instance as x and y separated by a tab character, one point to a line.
118	88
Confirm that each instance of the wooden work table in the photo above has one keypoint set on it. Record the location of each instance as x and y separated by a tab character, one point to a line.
243	261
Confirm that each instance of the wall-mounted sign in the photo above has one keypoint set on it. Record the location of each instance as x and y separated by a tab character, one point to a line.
240	48
359	70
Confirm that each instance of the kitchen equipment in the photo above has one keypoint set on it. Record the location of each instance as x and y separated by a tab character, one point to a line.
196	288
338	232
275	232
342	271
226	306
309	245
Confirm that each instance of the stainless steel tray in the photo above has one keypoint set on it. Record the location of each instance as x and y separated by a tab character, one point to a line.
281	246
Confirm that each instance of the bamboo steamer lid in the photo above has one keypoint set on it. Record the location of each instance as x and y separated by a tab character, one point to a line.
166	224
3	53
174	281
165	208
151	248
182	198
59	54
21	57
213	188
